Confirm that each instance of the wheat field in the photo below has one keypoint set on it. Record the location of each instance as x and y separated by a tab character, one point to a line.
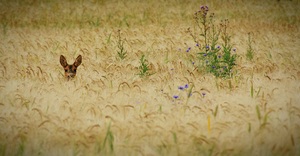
108	109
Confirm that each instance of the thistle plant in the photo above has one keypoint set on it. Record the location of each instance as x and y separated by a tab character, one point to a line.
214	56
122	53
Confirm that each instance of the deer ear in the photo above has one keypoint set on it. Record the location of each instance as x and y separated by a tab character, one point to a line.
63	61
78	61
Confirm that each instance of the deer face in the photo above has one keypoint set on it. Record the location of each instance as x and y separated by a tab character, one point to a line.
70	70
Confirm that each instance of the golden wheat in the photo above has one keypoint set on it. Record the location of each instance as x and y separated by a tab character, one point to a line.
107	109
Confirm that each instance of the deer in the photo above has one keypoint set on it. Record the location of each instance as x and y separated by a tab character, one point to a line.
70	70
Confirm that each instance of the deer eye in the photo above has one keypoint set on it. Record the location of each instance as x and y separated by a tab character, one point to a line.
75	70
66	70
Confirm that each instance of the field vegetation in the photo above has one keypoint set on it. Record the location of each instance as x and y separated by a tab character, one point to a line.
154	79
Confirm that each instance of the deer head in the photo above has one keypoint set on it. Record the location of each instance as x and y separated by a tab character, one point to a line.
70	70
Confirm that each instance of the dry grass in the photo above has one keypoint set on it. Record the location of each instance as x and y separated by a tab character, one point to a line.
109	110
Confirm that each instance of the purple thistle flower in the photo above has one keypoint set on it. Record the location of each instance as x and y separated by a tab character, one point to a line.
181	88
188	50
218	47
206	8
186	86
175	96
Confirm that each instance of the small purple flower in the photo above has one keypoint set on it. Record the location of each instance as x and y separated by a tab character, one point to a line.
219	56
188	50
197	45
193	63
234	49
207	47
175	96
206	8
181	88
218	47
204	55
206	61
213	67
186	86
203	94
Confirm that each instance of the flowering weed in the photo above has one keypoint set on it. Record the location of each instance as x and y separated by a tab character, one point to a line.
186	89
215	56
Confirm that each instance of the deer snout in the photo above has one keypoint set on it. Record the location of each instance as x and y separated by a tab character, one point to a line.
70	75
70	71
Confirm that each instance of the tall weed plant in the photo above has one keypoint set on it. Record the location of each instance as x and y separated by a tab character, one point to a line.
216	54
